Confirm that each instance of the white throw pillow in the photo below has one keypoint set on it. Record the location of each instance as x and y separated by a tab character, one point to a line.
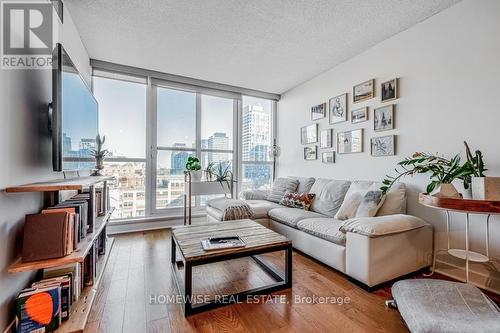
395	201
349	206
371	203
353	198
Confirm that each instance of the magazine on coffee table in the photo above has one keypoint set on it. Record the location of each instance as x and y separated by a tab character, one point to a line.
222	243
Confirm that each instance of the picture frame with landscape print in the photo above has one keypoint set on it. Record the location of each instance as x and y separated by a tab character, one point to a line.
325	138
350	142
338	109
309	134
359	115
383	145
328	157
363	91
389	90
383	118
311	153
318	111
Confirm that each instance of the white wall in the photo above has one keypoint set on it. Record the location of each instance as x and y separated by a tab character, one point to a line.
449	69
25	157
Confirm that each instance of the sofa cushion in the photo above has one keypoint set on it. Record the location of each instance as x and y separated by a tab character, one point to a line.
353	198
329	195
305	183
395	201
297	200
371	203
260	208
382	225
325	228
280	187
291	216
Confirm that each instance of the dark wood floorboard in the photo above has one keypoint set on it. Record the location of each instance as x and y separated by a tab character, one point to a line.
139	267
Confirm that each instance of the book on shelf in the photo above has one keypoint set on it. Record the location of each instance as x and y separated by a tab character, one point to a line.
38	310
81	208
47	236
90	267
72	270
64	282
221	243
74	225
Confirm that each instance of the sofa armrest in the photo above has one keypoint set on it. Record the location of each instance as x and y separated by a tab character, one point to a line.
254	195
382	225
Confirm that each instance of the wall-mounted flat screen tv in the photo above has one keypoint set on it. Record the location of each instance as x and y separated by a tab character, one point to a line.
74	119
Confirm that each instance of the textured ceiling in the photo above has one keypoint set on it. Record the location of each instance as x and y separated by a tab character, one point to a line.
270	45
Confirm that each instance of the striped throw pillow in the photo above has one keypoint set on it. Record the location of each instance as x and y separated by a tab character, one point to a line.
280	187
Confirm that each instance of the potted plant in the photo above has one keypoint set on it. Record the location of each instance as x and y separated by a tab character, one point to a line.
442	172
223	175
483	188
193	166
99	154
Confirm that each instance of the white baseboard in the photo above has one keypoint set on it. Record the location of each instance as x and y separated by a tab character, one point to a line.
146	225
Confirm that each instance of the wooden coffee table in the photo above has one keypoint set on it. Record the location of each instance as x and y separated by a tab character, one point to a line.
186	242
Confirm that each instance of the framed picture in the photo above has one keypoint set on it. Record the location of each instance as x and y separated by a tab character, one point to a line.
311	153
383	145
328	157
325	138
338	109
318	111
359	115
389	90
383	118
363	91
309	134
350	142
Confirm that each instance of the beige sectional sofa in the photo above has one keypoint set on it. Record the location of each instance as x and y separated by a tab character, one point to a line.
371	250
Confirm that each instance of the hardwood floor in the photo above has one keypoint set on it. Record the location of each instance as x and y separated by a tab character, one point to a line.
139	267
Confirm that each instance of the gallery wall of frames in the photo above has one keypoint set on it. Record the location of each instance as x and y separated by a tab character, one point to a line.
368	109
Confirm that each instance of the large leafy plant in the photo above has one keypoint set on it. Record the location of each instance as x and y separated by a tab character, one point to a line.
442	170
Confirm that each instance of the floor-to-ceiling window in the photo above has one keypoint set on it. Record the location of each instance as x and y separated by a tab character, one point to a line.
257	138
153	126
122	119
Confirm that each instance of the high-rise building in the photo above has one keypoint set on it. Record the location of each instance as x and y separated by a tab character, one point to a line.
256	133
219	141
178	159
256	141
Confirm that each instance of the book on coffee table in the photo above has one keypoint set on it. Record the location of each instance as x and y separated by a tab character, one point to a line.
221	243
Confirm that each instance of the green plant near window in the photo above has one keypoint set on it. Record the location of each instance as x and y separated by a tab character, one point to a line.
99	154
208	171
442	170
193	164
222	174
475	162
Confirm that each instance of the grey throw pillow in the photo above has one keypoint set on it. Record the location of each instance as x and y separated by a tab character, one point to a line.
371	203
280	187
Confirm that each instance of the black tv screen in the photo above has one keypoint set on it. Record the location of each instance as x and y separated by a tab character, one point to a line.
74	116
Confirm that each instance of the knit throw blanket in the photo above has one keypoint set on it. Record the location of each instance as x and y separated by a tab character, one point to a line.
231	209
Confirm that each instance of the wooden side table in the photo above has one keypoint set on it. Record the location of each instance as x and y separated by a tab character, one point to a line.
466	206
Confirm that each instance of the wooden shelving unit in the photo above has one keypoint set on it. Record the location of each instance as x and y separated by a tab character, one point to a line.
77	256
80	309
73	184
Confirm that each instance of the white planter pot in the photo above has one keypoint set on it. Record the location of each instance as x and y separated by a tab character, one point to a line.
196	175
486	188
446	191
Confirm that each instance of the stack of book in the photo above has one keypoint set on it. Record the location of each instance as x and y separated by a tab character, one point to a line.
39	309
51	234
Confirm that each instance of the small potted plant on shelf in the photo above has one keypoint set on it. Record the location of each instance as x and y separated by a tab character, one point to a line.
483	187
193	166
442	172
99	154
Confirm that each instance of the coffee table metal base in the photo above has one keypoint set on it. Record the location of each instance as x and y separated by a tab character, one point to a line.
185	283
